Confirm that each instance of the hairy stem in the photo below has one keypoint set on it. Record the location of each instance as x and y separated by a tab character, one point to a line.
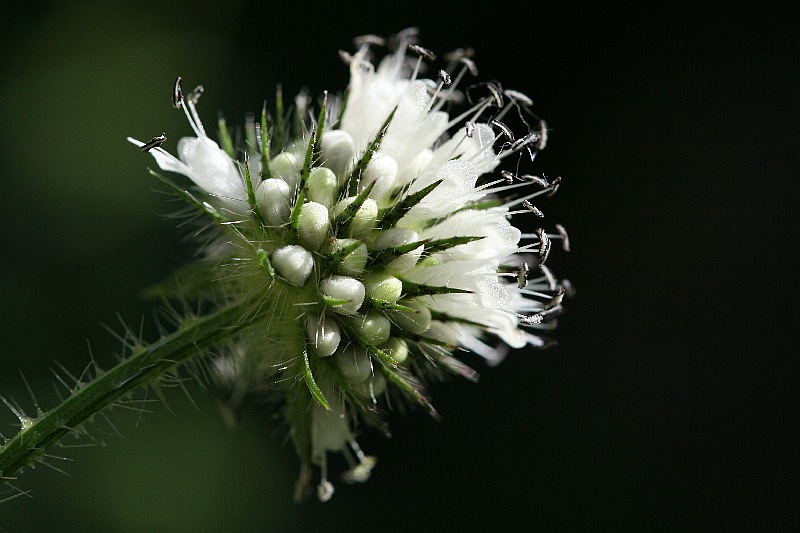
145	366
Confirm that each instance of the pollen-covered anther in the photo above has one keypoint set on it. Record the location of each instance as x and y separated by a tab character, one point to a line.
325	490
361	472
345	293
294	263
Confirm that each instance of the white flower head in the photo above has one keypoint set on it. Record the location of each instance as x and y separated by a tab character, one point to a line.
379	237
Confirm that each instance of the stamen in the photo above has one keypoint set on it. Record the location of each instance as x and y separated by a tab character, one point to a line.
554	186
194	119
325	488
470	128
540	181
532	208
551	279
346	57
562	232
155	142
177	93
468	65
445	80
545	244
504	129
422	52
369	39
522	275
518	97
196	93
475	111
509	177
519	201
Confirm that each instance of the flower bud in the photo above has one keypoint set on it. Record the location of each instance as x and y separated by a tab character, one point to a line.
382	170
313	225
343	288
397	237
383	287
272	196
365	220
396	348
353	263
413	322
372	329
322	186
338	153
354	363
323	334
286	167
294	263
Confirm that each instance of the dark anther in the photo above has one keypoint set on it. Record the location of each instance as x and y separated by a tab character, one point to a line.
508	176
505	129
477	93
445	77
177	93
422	52
522	142
556	300
532	208
470	127
154	142
522	275
540	181
544	245
497	93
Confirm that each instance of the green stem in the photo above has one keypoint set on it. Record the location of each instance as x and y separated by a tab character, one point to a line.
145	366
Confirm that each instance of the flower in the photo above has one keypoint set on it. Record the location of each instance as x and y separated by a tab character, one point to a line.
379	240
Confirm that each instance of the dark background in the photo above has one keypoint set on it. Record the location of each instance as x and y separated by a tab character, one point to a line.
667	403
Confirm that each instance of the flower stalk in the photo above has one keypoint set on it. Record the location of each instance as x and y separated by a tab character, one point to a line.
146	365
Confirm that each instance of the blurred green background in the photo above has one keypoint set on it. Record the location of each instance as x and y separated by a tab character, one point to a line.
636	421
